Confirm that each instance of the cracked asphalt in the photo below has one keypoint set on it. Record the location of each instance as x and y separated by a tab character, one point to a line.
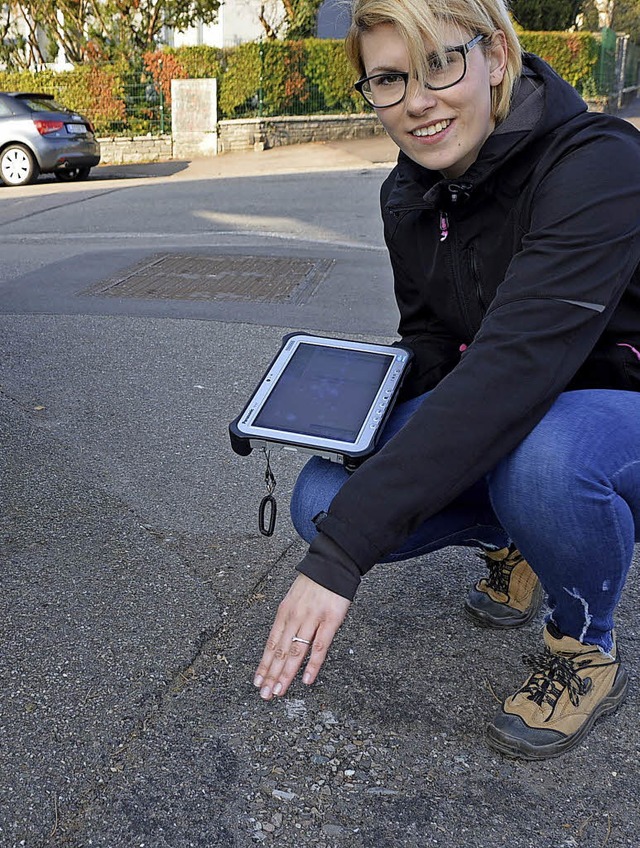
137	592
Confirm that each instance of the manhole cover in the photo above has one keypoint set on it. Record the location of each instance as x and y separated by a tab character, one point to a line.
179	276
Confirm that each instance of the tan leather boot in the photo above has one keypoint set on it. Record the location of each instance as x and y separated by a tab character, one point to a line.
510	596
570	687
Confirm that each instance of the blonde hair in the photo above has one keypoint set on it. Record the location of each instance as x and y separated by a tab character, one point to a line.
420	21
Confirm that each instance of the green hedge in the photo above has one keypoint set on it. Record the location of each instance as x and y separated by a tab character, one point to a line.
314	75
200	62
268	78
573	55
96	91
297	77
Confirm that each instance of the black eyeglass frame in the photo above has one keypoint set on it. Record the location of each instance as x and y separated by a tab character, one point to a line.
463	49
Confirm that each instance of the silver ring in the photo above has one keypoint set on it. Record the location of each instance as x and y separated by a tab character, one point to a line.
298	639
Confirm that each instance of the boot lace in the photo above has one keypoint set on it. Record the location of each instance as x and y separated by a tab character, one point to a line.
552	674
500	571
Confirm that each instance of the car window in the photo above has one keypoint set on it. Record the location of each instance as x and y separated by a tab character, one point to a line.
4	110
43	105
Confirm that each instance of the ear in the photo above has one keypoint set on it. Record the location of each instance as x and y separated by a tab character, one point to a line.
497	55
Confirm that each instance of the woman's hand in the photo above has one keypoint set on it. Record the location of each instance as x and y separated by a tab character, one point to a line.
311	613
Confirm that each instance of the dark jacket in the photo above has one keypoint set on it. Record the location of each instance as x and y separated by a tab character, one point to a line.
516	282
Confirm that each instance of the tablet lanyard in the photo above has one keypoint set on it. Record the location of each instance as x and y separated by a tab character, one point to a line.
268	507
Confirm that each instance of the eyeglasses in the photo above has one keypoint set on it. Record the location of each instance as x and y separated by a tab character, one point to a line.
390	88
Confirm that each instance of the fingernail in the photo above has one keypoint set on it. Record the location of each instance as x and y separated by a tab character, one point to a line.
257	680
306	678
265	693
277	689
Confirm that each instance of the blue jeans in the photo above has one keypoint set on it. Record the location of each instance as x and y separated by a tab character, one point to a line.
568	496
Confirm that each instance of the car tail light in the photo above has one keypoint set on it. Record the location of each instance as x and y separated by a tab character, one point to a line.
46	127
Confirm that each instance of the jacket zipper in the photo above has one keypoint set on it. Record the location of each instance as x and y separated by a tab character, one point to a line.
476	278
454	264
445	232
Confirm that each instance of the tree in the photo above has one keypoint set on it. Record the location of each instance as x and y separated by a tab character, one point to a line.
302	17
126	27
14	53
299	18
546	15
64	24
625	17
107	29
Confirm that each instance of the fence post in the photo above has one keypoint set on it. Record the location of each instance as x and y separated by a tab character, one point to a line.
260	89
161	110
160	97
621	63
194	117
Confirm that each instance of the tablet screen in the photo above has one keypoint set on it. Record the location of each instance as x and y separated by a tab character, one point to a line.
325	392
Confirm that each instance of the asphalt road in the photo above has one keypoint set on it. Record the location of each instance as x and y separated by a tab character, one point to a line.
137	593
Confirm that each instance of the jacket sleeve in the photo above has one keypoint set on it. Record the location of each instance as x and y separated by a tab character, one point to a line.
581	248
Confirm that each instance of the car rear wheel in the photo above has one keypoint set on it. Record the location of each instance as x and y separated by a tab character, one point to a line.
72	174
18	166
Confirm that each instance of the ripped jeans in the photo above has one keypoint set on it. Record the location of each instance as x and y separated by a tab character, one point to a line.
568	496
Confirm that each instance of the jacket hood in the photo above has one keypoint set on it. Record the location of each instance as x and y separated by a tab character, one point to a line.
542	102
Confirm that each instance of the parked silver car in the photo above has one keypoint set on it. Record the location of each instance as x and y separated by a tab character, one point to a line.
38	136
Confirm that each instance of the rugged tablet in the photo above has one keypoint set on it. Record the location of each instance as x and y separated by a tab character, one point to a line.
323	396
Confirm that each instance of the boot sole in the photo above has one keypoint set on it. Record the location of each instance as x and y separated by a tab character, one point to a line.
513	747
485	619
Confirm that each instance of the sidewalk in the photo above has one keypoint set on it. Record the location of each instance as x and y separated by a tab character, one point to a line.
631	112
347	154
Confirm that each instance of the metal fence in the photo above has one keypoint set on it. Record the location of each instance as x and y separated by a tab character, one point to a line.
618	67
270	79
628	56
147	110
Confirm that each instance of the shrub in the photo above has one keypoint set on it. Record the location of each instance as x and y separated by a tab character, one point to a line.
94	90
573	55
199	62
164	67
546	15
239	85
268	78
331	74
43	82
286	77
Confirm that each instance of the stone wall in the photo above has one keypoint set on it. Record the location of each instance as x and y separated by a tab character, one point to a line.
600	103
244	134
128	151
264	133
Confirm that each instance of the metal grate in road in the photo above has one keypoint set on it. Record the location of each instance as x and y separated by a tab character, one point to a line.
181	276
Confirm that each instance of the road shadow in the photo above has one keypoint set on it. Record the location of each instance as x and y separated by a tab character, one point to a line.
129	171
139	169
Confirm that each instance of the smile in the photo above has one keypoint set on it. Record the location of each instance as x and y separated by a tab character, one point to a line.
433	129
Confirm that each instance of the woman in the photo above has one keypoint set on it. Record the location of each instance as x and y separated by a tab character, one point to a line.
513	224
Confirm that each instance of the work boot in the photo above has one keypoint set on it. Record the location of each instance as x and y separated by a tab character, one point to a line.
570	687
510	596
